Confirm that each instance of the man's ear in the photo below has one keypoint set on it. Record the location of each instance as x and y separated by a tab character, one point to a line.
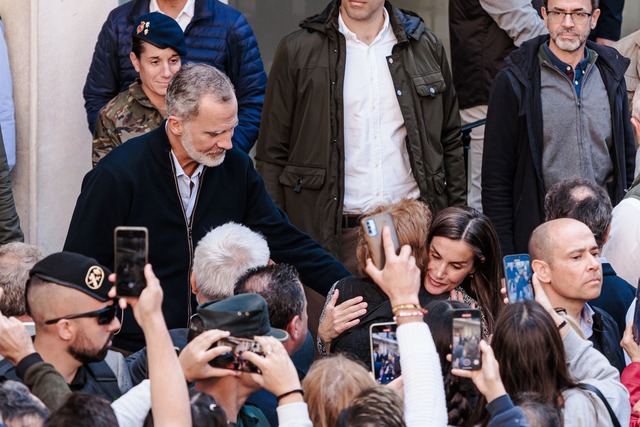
175	125
542	270
66	330
294	328
594	18
192	280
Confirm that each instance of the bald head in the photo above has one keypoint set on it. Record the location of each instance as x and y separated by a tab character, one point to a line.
551	235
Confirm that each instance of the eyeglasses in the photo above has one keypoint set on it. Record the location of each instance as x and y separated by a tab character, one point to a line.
104	315
579	18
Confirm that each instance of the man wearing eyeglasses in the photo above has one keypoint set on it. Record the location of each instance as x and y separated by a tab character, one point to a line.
558	110
67	296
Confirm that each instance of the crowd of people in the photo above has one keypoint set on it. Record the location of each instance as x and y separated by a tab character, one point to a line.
261	296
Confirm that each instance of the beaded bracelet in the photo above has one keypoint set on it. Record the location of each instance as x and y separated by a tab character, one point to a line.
408	306
283	395
414	313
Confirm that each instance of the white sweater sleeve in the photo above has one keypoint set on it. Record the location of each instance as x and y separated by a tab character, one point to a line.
424	399
132	407
517	18
294	415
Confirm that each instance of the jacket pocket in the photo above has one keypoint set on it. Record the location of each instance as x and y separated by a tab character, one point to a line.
429	84
302	177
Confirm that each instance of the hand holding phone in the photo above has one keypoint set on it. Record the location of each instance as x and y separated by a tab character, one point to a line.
372	230
465	342
233	360
131	255
517	274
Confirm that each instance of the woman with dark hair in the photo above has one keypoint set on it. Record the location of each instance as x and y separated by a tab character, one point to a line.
538	352
458	256
464	259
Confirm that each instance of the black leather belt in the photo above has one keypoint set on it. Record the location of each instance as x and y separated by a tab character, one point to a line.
350	221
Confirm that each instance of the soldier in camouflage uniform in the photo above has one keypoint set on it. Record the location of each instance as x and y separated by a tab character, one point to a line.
157	44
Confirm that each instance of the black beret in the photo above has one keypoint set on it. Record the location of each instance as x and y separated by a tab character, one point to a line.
161	31
74	271
244	316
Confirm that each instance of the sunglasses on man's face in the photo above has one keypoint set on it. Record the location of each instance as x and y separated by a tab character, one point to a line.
104	315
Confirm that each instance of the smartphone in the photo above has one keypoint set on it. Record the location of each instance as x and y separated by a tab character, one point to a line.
372	230
385	352
465	342
517	275
234	360
635	328
131	255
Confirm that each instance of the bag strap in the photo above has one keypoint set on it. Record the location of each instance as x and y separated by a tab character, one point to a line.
598	393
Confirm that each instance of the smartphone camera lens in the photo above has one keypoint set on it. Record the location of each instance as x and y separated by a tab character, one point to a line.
372	230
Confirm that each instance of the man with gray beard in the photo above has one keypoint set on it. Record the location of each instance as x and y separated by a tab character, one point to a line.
180	181
559	109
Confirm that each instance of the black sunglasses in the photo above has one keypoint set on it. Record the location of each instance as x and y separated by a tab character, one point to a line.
104	315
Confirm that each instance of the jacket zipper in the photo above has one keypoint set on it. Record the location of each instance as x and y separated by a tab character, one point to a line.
189	230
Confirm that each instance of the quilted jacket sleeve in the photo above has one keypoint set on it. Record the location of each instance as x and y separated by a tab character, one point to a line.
246	71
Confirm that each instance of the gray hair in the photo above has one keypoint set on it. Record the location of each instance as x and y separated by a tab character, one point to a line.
16	259
225	254
191	83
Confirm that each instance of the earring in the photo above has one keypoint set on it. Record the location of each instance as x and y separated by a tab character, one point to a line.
470	275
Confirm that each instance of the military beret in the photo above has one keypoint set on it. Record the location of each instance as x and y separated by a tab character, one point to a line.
244	316
161	31
74	271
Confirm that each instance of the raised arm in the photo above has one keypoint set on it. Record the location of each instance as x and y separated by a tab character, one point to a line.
517	18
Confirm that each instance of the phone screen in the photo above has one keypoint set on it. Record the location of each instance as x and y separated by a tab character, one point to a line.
385	352
465	343
234	359
372	227
517	273
131	249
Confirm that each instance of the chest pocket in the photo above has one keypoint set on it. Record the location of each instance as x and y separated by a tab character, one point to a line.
429	84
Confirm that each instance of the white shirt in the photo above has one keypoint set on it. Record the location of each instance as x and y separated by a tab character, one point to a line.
622	249
377	166
187	185
185	15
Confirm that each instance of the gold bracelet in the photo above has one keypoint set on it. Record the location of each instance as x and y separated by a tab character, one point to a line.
408	306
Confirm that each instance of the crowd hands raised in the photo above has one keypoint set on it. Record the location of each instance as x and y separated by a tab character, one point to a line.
518	384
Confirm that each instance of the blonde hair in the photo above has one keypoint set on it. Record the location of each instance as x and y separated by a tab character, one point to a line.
412	220
331	385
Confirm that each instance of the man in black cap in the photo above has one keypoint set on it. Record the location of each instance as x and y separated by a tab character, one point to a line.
157	45
241	317
67	297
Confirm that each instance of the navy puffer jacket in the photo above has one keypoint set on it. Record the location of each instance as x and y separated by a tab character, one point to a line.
218	35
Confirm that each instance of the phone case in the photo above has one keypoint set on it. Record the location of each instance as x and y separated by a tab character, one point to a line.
372	227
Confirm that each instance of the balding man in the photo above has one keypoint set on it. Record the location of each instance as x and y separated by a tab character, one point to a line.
566	260
67	297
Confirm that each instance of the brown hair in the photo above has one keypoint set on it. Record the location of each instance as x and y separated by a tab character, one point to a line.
475	229
530	352
411	219
330	386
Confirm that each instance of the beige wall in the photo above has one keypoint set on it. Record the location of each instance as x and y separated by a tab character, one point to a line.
50	47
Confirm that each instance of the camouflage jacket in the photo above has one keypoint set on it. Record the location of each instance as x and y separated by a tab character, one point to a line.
126	116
